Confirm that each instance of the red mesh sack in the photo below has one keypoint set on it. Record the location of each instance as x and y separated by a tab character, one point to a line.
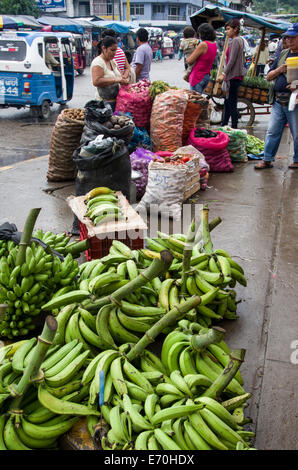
135	99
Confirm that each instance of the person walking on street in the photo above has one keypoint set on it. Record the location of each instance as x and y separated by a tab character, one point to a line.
202	59
234	72
142	58
158	55
279	95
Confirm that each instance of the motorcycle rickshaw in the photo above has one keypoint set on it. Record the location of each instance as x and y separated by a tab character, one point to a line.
79	53
29	77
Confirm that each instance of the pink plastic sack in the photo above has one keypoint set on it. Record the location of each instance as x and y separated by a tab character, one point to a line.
219	161
135	99
215	143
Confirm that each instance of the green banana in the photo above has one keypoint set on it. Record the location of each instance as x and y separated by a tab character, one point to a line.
195	437
19	355
58	406
102	326
136	376
166	442
47	431
60	366
69	372
220	427
119	333
75	296
174	412
11	438
117	376
139	422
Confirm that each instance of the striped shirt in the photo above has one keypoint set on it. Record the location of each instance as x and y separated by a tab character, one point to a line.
120	59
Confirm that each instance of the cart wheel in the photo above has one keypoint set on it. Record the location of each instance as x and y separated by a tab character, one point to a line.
246	112
217	111
44	109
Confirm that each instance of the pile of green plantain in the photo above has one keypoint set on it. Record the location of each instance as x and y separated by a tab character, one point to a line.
27	282
188	397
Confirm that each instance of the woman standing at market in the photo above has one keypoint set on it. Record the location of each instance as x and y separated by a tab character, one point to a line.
234	72
106	76
203	58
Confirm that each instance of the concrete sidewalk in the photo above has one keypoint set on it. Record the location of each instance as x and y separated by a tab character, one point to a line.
259	214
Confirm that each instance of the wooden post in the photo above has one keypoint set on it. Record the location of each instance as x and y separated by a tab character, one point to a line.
221	64
258	53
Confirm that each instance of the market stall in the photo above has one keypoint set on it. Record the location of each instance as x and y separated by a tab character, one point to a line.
253	91
115	341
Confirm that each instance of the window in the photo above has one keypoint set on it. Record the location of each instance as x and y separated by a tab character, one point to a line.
40	49
158	8
137	9
12	50
174	10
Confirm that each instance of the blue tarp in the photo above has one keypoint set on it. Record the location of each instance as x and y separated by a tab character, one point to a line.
121	28
59	23
221	15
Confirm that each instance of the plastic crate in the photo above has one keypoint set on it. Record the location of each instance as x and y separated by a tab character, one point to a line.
100	247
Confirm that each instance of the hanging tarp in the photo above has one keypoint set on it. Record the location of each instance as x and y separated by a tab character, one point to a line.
121	27
19	22
9	22
60	23
218	16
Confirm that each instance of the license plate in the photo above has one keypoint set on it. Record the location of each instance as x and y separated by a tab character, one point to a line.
9	86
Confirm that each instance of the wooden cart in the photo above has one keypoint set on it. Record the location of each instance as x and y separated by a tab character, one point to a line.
251	102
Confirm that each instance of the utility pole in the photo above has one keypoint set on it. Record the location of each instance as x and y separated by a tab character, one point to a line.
128	10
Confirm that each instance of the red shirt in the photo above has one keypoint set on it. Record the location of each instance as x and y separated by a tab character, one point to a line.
120	59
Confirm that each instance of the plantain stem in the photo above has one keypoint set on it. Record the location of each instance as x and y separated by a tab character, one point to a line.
214	335
187	252
167	320
215	390
26	236
207	243
157	266
32	372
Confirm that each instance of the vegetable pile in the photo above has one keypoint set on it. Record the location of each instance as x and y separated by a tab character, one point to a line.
190	397
254	145
117	122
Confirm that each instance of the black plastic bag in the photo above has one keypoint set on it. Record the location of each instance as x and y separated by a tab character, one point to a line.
97	111
110	167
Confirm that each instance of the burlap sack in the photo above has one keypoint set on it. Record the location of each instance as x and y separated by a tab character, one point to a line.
65	139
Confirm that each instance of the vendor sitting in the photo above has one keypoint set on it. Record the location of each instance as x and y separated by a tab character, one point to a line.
50	60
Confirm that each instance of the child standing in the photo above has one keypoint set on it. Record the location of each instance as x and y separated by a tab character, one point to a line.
187	46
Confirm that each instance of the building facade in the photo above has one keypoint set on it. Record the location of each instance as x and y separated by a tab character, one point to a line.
157	12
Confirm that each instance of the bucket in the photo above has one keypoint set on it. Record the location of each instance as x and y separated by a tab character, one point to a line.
292	69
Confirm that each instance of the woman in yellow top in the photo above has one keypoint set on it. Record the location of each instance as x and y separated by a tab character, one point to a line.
106	76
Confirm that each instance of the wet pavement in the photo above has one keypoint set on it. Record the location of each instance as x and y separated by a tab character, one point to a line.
259	212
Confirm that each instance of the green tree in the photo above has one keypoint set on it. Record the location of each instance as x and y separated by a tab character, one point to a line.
19	7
